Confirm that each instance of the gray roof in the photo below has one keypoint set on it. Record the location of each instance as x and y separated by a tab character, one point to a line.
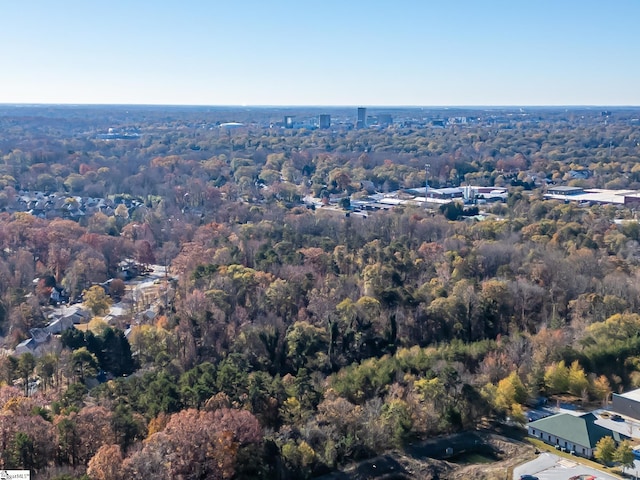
40	335
578	430
29	343
565	189
59	325
447	190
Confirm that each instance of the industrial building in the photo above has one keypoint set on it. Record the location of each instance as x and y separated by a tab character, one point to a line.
627	404
466	194
593	195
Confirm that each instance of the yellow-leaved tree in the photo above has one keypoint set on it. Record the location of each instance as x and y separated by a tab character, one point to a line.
510	394
96	299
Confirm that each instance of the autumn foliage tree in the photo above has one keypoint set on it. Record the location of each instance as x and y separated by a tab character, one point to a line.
97	300
26	441
106	464
346	336
196	444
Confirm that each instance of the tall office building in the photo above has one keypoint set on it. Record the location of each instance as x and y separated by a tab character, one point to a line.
324	120
288	121
362	118
385	119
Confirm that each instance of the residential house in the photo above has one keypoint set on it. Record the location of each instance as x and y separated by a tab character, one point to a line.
117	312
58	295
74	313
59	325
39	338
128	270
26	346
147	316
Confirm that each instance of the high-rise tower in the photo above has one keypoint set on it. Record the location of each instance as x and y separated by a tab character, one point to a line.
362	118
324	120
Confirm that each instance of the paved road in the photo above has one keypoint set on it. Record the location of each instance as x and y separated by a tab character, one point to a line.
552	467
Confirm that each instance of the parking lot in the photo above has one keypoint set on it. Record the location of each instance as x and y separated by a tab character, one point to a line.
552	467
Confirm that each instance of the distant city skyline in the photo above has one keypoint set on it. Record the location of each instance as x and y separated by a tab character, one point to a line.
331	53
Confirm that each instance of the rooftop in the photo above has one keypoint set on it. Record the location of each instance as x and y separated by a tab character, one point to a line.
597	195
565	189
632	395
580	430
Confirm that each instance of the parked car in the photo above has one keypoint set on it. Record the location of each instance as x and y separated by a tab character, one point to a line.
617	418
528	477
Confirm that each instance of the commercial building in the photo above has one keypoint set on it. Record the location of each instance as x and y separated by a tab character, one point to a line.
385	119
575	434
466	194
564	190
627	404
593	195
324	121
362	118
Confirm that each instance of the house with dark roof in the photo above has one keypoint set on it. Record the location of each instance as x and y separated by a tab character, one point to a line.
575	434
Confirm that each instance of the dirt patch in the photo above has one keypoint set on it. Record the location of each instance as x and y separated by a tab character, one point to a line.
440	458
512	453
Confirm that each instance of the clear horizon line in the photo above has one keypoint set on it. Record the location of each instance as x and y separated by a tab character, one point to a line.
514	105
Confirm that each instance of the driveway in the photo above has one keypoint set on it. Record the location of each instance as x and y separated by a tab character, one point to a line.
552	467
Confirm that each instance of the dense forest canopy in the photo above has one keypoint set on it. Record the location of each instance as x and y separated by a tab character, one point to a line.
293	340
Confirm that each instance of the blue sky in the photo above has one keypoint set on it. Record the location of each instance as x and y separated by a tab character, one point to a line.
324	52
